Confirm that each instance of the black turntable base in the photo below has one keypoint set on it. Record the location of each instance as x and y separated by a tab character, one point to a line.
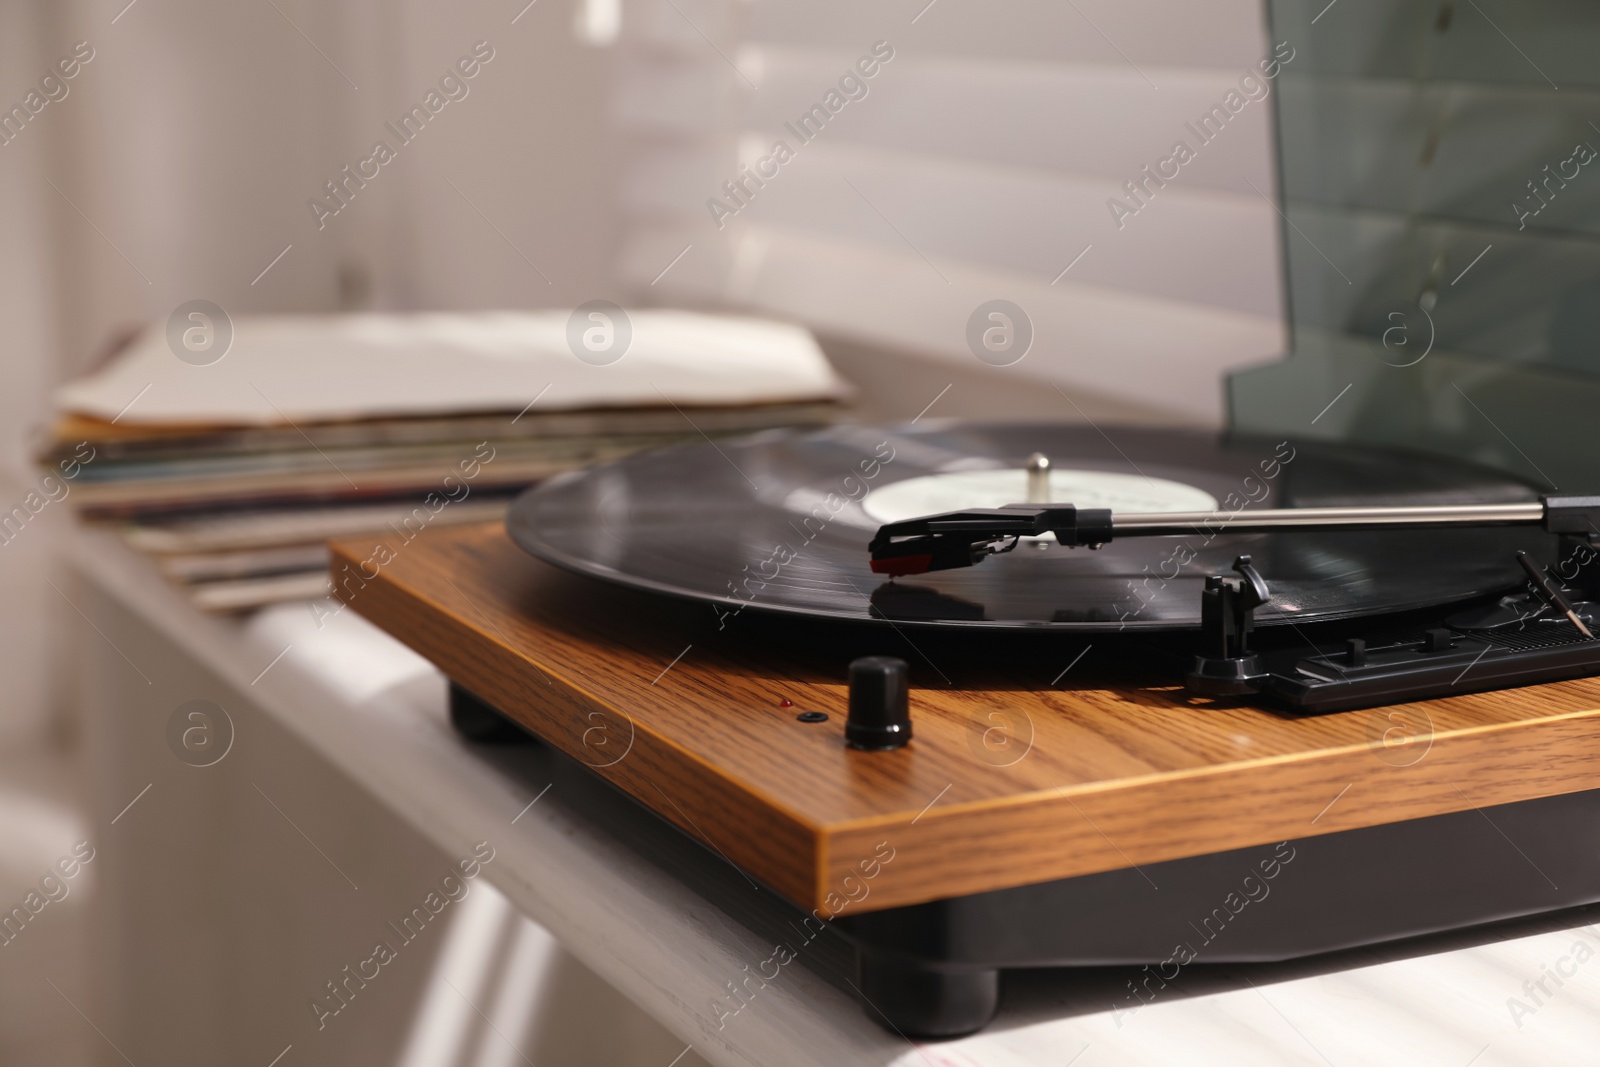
1063	798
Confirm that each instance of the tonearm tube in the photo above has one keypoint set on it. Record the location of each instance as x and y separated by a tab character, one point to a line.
964	538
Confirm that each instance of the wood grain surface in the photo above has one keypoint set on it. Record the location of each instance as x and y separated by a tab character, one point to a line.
1009	780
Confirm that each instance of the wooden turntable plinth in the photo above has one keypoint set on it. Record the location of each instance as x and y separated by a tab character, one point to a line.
1008	781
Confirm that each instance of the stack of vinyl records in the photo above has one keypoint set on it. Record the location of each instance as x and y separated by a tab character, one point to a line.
233	471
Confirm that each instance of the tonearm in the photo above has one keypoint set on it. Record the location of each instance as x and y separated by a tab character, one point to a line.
965	538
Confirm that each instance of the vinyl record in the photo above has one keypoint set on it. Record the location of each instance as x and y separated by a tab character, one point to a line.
780	521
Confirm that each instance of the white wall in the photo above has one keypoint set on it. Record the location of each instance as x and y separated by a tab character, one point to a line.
188	147
201	130
29	609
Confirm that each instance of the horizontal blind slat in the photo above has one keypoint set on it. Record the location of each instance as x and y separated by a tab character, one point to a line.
1086	119
1221	33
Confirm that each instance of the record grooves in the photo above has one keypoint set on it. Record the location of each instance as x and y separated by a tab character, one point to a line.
779	522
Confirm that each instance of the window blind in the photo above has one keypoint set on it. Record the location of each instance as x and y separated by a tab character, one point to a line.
880	170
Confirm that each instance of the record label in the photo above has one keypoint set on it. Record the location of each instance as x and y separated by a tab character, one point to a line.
957	490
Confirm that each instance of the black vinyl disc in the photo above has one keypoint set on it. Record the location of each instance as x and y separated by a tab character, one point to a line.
779	522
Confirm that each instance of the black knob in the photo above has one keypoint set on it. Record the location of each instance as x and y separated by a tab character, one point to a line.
880	705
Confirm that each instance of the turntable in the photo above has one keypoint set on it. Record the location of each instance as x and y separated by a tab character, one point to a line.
1301	697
